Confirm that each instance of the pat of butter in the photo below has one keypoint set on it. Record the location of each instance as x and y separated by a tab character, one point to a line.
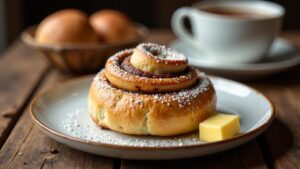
219	127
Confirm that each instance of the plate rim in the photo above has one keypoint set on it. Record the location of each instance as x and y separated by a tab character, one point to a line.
285	64
54	132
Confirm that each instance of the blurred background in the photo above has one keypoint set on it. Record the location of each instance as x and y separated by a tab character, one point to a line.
16	15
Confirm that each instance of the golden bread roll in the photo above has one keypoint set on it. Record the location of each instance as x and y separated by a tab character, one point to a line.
65	26
112	26
129	100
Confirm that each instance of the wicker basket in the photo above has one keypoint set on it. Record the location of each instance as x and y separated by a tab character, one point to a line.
80	58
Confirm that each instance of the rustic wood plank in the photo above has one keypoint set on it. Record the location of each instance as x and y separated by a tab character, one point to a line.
282	139
208	162
20	72
28	147
251	156
246	156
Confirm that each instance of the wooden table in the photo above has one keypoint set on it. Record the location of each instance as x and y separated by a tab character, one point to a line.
23	74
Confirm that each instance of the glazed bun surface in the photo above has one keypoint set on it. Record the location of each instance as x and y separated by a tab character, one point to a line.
65	26
164	97
165	114
112	26
122	78
157	59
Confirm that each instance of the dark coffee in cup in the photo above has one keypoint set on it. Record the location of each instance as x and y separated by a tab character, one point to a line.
233	12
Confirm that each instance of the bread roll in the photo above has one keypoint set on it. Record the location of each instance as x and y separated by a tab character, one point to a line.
112	26
65	26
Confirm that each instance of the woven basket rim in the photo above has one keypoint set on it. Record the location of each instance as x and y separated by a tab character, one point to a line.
27	37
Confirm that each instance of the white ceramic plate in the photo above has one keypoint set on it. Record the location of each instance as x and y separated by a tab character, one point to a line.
61	112
282	56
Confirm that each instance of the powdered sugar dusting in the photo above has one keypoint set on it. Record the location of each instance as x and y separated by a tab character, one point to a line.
117	70
160	52
183	98
78	124
116	65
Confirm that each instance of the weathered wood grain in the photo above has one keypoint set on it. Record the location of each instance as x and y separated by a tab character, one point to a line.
208	162
250	156
246	156
28	147
282	139
20	72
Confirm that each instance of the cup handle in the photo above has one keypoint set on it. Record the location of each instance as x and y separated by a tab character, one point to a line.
177	23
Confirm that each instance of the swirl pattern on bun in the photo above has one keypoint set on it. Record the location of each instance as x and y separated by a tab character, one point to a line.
157	59
125	77
150	90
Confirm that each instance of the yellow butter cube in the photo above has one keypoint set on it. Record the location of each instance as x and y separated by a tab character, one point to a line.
219	127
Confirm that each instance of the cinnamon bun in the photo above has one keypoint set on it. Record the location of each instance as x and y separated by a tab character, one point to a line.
156	98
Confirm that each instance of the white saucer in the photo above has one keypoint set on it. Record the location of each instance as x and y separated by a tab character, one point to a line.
283	55
61	113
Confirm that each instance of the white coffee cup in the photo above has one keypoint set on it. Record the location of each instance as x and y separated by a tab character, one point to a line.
230	39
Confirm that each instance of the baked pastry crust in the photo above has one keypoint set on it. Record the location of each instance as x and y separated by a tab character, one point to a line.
157	59
137	113
124	80
129	100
